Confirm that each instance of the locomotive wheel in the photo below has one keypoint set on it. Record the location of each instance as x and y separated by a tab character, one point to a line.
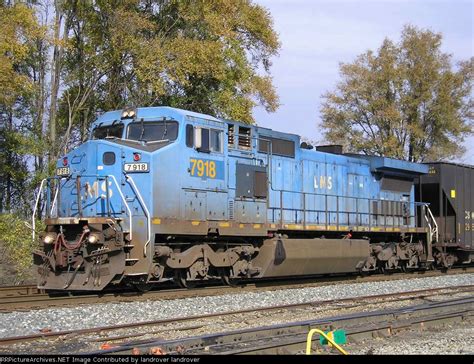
180	279
225	278
143	287
363	273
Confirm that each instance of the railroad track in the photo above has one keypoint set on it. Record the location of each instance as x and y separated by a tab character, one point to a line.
23	298
290	338
112	334
20	291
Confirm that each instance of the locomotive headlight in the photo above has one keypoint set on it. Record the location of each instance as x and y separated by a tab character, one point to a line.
49	238
93	238
128	113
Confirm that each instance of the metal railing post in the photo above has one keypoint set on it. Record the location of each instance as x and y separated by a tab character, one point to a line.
58	203
140	199
326	209
58	187
48	197
281	208
33	217
304	210
78	190
126	204
107	195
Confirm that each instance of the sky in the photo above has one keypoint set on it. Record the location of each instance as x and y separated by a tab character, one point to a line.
316	35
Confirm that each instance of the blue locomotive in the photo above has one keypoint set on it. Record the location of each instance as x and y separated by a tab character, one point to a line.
162	194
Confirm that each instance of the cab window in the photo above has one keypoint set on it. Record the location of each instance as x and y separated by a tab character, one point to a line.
108	132
216	141
207	140
189	136
153	131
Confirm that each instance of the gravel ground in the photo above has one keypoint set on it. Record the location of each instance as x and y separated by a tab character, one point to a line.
449	339
420	341
86	316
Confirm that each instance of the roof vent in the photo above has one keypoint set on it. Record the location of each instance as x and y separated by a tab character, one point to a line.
334	149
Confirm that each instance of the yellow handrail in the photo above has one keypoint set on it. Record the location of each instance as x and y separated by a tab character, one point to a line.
320	332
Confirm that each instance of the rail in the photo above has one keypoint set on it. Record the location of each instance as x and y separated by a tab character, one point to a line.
432	224
145	209
130	219
50	205
55	198
349	211
46	301
35	209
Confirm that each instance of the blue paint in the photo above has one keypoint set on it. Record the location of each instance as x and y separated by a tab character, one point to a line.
312	188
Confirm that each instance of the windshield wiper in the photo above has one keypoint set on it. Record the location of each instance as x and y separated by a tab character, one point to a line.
135	141
158	141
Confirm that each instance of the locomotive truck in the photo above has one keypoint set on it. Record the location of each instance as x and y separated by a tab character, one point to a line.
159	194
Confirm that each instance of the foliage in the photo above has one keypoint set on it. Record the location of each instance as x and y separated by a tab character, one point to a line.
405	101
18	39
62	61
202	56
19	27
15	240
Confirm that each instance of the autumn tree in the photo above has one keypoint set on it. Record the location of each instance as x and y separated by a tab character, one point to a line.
19	33
204	56
62	61
405	101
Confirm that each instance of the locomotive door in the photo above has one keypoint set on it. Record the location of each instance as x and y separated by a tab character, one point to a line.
109	163
99	198
206	188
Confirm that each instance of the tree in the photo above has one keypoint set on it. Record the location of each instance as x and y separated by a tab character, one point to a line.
20	31
204	56
62	61
405	101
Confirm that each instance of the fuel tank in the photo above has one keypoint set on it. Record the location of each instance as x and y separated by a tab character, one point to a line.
279	257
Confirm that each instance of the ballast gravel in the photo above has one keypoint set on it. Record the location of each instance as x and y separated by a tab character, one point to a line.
89	316
452	340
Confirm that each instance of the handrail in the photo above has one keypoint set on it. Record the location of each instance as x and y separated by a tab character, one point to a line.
322	333
357	212
33	217
436	231
99	177
343	196
137	192
125	202
55	197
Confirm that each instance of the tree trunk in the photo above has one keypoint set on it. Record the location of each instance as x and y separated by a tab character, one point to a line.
9	161
56	74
